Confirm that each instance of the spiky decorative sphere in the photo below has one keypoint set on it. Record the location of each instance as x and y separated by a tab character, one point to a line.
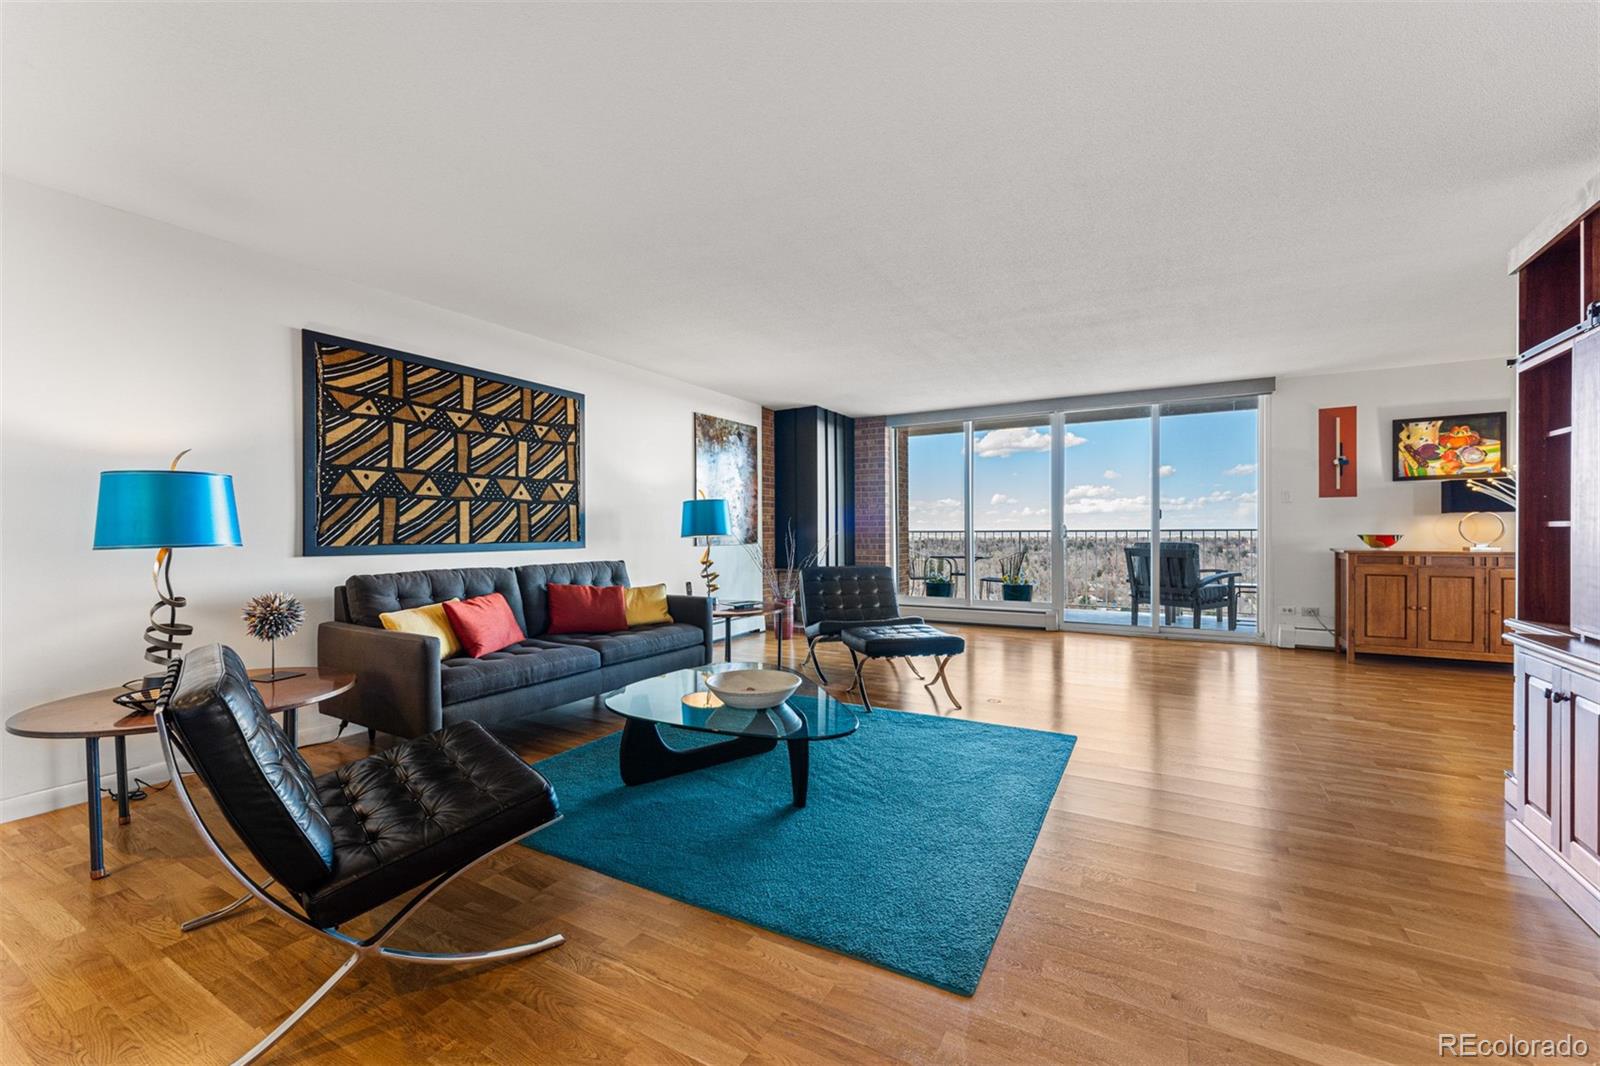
273	616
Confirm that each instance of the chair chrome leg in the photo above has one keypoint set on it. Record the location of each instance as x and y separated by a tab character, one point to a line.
811	657
866	701
221	912
299	1012
912	666
515	951
941	677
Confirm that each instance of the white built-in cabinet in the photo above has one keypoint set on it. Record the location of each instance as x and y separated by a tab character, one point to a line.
1553	788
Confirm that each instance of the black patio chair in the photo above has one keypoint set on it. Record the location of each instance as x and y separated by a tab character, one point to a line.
410	817
1184	583
837	598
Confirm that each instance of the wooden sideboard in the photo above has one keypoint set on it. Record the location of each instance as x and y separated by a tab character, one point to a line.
1440	605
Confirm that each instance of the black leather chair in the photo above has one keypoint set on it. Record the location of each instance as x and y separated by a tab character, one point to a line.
837	598
341	844
1184	583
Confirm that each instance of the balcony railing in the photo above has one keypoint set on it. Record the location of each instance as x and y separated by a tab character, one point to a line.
1096	567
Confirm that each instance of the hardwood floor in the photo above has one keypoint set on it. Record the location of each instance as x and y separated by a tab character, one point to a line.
1255	856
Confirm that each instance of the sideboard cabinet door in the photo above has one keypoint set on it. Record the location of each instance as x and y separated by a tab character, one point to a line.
1538	769
1580	775
1384	605
1453	609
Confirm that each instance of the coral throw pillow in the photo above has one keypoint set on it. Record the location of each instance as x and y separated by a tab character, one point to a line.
587	608
483	624
429	621
647	606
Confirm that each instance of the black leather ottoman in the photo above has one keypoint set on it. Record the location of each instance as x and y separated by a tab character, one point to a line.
896	641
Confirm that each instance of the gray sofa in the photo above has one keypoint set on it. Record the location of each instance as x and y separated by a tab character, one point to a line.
403	688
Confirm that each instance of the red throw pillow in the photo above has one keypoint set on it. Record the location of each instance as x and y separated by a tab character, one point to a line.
483	624
587	608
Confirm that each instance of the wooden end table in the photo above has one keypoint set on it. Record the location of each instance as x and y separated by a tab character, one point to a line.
91	717
728	614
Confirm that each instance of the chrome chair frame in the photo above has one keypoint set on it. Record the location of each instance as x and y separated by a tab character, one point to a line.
370	947
939	677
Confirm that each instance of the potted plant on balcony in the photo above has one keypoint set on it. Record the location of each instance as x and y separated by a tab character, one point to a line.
1014	583
937	579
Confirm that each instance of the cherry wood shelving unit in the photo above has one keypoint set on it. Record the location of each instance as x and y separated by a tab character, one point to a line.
1553	789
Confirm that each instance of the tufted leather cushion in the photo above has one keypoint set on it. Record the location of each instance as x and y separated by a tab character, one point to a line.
639	643
420	809
533	578
848	594
263	786
369	595
833	629
528	662
885	642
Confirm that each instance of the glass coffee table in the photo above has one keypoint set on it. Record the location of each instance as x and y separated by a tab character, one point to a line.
681	699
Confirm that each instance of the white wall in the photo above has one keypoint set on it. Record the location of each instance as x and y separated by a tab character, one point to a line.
1303	527
127	340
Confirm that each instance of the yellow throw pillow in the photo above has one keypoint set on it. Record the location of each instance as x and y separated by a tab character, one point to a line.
430	621
647	606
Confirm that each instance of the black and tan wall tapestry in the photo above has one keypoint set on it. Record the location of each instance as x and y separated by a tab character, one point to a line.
409	454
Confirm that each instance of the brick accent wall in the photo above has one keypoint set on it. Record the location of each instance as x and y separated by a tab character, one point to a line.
873	485
902	511
769	487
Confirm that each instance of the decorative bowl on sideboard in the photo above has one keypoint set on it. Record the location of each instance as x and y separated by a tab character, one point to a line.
1379	540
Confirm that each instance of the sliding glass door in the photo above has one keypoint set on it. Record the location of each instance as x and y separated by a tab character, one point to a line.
1105	514
933	559
1206	482
1060	511
1012	553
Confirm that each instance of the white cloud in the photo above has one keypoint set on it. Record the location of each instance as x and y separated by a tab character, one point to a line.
1000	497
1240	469
1111	475
1136	508
999	443
1167	470
1085	492
1070	439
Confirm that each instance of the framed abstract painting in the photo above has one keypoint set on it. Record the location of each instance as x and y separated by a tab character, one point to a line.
726	467
404	453
1450	447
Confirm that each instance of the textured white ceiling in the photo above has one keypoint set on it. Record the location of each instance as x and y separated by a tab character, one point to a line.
876	208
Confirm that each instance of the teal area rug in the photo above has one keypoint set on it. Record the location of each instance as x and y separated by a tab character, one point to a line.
907	854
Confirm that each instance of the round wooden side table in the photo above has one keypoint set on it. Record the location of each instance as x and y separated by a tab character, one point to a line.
91	717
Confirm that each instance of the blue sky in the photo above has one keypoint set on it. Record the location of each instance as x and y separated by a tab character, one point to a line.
1208	478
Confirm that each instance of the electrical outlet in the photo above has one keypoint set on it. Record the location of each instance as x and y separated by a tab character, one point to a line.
1287	610
1311	612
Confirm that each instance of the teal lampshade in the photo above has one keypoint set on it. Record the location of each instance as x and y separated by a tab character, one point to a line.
166	509
705	518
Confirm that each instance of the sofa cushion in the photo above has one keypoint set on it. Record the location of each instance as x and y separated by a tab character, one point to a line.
483	624
534	577
528	662
369	595
586	608
429	621
640	643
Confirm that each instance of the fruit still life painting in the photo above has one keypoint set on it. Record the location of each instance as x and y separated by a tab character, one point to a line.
1457	446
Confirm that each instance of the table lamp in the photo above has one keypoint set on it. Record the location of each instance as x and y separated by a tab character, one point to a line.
706	518
165	509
